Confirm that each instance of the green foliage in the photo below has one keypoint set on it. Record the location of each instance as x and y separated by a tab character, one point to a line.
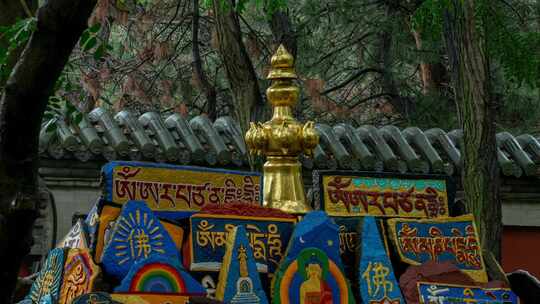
515	50
428	18
90	42
16	36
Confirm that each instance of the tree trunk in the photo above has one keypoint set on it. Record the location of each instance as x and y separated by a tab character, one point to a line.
23	101
426	69
470	70
283	31
10	12
208	90
400	104
248	101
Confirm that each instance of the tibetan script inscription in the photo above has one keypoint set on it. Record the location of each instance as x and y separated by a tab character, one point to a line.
350	195
268	238
80	272
438	293
450	239
175	188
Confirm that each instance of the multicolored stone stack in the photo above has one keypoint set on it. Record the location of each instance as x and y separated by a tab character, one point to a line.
167	234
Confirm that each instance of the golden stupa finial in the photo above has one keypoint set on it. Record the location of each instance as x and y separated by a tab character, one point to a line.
282	65
283	139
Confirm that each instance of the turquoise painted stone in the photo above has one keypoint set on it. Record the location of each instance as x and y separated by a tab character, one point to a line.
137	235
378	283
239	281
160	274
49	279
48	299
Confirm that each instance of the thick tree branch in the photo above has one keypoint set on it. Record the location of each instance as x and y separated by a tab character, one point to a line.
23	101
208	90
248	101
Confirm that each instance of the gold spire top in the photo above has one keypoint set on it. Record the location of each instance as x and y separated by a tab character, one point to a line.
283	139
282	63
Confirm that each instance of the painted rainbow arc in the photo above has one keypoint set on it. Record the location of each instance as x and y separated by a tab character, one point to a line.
159	278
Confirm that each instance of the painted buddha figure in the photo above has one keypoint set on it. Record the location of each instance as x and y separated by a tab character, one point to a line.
314	290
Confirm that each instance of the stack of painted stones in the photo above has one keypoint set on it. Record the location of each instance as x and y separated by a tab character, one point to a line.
168	234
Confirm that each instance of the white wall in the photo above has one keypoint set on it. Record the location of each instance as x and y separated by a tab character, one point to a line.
72	196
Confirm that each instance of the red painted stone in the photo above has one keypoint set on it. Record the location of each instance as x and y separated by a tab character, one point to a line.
436	272
430	272
243	209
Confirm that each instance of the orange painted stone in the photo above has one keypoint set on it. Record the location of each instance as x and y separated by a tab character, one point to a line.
80	272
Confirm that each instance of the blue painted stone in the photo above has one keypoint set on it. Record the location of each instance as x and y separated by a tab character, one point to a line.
269	238
378	283
160	274
137	235
315	230
94	297
312	271
49	279
239	280
448	294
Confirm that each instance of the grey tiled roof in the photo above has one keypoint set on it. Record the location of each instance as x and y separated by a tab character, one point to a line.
174	139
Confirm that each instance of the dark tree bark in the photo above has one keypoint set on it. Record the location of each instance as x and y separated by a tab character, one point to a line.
248	101
23	101
283	31
431	74
10	12
471	81
208	90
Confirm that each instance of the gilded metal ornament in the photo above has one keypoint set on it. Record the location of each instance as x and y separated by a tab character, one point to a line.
283	139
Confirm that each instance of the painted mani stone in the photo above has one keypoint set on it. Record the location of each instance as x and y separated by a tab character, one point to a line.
77	237
92	222
311	271
160	275
49	279
451	239
268	237
239	281
438	293
48	299
137	235
107	220
135	298
378	284
95	298
349	233
350	194
80	272
179	188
